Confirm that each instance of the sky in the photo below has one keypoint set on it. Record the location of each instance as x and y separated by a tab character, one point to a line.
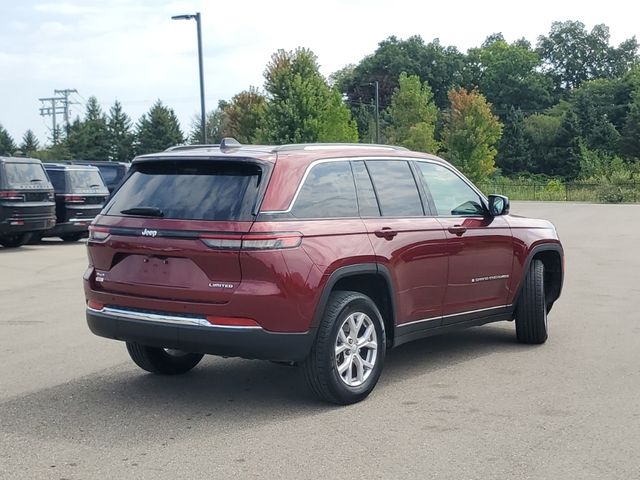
131	50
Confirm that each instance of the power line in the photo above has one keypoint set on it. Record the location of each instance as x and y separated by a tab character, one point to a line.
54	106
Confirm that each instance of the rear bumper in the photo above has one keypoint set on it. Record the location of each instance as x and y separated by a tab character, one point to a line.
185	334
23	225
74	225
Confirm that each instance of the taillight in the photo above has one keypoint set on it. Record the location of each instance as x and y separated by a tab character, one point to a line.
93	305
11	195
73	198
270	241
98	234
232	321
266	241
222	242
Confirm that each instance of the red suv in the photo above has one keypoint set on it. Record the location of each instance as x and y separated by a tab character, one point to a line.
323	255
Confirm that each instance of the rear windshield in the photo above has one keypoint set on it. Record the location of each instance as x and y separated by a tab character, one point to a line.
26	175
109	173
84	179
191	190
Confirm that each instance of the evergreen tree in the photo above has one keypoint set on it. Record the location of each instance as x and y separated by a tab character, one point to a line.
514	150
7	145
630	141
471	133
412	116
89	139
120	135
157	130
30	143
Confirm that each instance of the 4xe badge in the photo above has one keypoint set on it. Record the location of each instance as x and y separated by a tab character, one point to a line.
149	233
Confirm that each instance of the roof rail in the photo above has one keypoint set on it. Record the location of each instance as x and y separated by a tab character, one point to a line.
334	146
191	147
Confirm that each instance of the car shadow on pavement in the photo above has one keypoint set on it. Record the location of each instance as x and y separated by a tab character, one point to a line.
218	394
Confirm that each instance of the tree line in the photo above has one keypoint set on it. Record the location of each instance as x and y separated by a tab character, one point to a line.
568	107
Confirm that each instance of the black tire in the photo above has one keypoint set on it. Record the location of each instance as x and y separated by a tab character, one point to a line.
71	237
15	240
159	360
320	367
531	310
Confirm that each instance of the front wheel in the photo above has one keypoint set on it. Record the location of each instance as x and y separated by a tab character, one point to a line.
347	357
164	361
531	310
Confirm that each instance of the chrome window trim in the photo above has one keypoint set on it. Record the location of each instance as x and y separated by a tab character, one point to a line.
338	159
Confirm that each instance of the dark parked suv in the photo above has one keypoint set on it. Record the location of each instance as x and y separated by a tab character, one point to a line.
80	195
112	172
322	255
26	200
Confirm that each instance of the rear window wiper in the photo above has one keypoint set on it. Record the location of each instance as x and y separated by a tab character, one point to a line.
95	185
35	180
144	211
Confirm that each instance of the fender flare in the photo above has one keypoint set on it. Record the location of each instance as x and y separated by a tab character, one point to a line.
350	271
544	247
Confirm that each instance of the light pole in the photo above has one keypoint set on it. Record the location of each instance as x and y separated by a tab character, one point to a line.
377	95
202	109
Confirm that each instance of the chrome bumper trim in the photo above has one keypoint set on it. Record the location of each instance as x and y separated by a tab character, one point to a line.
165	318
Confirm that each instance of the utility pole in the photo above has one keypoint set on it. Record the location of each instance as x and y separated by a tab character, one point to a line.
52	106
53	110
65	94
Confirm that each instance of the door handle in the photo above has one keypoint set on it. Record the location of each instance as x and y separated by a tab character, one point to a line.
386	233
458	230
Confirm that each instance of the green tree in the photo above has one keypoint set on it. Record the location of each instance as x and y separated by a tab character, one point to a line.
216	123
88	139
412	116
571	55
120	134
471	133
301	106
514	149
245	115
7	145
157	130
30	143
630	142
507	74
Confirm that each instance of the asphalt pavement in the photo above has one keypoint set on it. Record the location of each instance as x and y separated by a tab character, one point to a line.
467	405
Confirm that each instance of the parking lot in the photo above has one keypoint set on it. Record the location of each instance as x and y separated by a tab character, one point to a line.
468	405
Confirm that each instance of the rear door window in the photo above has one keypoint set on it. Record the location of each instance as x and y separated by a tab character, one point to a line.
328	191
191	190
58	180
367	203
109	173
395	188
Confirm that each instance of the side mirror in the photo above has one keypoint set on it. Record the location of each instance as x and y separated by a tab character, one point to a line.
498	205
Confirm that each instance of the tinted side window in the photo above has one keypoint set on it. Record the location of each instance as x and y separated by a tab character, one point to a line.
328	191
396	188
58	179
367	202
451	195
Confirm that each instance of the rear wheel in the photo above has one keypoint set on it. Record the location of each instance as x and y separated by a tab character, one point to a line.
531	311
15	240
347	357
71	237
164	361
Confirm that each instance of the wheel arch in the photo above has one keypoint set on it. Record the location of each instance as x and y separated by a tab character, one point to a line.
552	257
370	279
